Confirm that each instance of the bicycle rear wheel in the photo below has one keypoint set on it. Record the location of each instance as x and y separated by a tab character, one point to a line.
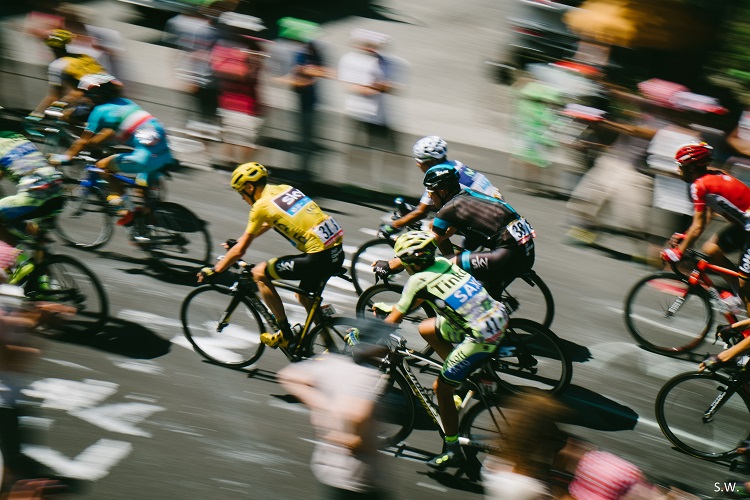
86	219
531	297
665	314
178	239
395	411
64	280
222	328
531	357
681	407
361	268
390	294
486	427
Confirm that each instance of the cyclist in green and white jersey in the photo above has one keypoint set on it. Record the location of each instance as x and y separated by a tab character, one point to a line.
468	316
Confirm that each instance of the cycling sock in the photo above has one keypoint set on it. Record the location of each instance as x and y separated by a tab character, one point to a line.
286	329
451	443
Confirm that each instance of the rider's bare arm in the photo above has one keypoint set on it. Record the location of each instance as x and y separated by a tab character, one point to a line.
419	213
695	230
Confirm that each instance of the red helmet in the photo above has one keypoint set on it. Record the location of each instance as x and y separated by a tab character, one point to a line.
699	154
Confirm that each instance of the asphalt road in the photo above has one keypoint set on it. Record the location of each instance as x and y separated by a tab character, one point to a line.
133	412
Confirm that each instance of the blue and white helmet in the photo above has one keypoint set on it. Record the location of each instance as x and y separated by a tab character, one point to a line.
428	148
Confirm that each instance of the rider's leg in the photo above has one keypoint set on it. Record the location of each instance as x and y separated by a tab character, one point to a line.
271	297
428	329
716	251
109	165
448	412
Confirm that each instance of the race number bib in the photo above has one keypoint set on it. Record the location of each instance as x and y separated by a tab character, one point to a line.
521	230
328	231
492	326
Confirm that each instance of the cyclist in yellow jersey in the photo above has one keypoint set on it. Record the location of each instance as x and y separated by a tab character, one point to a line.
298	219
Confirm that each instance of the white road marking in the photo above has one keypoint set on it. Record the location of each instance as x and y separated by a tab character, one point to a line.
367	230
432	487
91	464
69	364
70	395
120	417
147	318
140	365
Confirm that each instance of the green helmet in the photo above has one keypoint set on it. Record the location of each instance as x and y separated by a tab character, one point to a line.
416	247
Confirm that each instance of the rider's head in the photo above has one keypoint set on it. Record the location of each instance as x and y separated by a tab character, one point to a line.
249	179
57	40
429	151
693	159
442	183
100	88
416	249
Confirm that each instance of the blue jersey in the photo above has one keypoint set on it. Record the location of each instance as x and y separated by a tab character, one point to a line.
134	126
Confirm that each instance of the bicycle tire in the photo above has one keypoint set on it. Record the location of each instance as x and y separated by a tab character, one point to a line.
179	240
530	304
361	267
395	412
70	283
86	220
317	342
485	426
235	346
648	319
390	293
681	404
531	357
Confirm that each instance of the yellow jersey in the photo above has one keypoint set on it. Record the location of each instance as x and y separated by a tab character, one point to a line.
296	217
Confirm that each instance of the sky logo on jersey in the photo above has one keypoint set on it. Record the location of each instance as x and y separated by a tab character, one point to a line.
463	293
292	201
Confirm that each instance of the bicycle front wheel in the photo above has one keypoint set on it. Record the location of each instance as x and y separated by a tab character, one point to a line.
532	298
694	418
222	328
178	239
665	314
486	427
531	357
86	219
409	328
66	281
361	268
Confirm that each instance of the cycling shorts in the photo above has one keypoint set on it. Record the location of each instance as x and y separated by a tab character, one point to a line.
311	269
734	238
464	359
140	161
24	206
496	268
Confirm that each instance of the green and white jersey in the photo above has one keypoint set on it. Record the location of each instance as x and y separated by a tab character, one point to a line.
459	298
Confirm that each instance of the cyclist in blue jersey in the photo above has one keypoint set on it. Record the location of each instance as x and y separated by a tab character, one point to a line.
115	119
467	316
498	242
428	152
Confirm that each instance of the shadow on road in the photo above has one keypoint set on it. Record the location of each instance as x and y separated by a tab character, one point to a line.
122	337
594	411
576	352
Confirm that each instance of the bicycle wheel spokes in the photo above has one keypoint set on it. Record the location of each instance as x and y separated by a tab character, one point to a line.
681	409
229	337
329	337
65	281
409	328
665	314
178	239
534	300
394	412
531	357
361	269
86	219
485	427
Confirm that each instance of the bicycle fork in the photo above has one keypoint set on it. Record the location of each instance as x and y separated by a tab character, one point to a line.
718	402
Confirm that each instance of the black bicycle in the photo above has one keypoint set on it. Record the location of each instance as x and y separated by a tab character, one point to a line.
224	323
707	415
530	357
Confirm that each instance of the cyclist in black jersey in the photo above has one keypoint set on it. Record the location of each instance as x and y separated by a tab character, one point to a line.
506	238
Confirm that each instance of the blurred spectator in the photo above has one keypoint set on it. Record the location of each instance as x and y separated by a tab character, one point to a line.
236	63
307	66
370	78
194	34
345	460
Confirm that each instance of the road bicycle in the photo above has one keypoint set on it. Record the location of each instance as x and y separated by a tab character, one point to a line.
224	323
528	358
173	235
672	312
379	248
49	277
706	415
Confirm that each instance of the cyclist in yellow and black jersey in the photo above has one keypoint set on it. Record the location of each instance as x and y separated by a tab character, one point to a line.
298	219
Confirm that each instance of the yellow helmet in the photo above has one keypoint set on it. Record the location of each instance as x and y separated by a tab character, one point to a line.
248	172
58	38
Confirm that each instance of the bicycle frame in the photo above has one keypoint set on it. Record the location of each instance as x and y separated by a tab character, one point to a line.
245	287
699	277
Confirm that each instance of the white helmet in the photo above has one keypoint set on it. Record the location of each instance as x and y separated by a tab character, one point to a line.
431	147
